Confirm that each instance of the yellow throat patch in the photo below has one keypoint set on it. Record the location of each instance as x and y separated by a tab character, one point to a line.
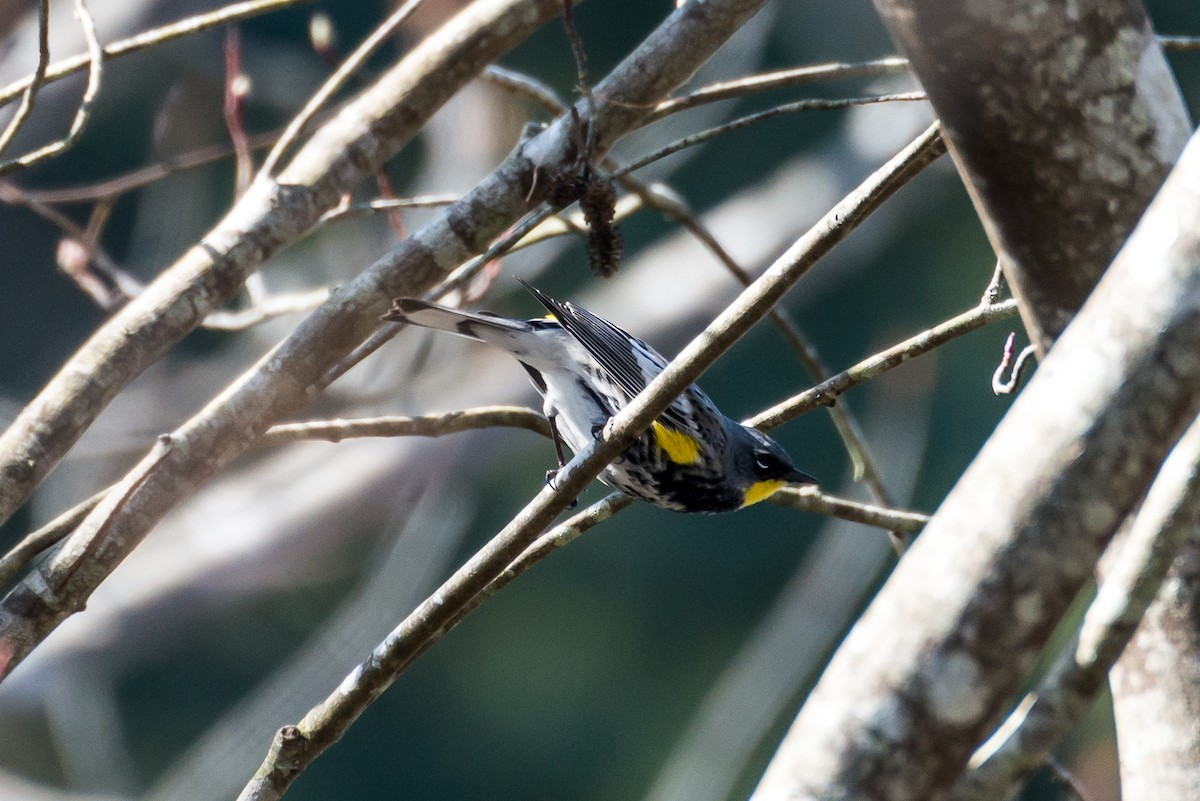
679	447
760	491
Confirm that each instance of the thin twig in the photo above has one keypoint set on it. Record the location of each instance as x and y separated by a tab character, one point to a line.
796	76
14	196
819	104
112	188
526	86
429	425
50	534
1007	386
296	746
443	423
674	208
583	83
811	500
335	82
266	308
1180	44
1065	779
377	206
237	89
29	97
152	37
83	113
456	279
828	391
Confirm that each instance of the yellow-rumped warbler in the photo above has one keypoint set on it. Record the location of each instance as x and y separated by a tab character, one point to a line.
691	459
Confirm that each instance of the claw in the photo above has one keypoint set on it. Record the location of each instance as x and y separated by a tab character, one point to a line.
550	476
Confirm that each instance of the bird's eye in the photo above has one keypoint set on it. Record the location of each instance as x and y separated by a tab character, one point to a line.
764	460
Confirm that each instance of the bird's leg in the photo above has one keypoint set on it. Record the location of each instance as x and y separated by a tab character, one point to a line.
558	451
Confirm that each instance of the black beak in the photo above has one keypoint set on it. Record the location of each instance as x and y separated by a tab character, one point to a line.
794	476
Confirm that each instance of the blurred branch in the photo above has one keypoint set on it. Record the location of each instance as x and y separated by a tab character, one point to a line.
271	214
1180	44
111	188
237	89
1138	564
287	377
150	38
15	196
336	82
29	97
265	308
828	391
377	206
456	279
95	71
296	746
50	534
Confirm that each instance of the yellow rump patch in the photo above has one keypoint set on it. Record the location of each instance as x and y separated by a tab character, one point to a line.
680	448
550	317
760	491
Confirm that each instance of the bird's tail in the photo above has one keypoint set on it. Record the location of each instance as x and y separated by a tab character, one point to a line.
480	326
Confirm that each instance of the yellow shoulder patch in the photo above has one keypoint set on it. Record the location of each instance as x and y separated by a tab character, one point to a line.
680	448
760	491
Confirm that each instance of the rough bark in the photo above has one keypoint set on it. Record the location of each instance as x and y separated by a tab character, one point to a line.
1156	692
926	673
1063	119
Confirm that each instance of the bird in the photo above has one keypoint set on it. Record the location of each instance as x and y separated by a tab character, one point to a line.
692	458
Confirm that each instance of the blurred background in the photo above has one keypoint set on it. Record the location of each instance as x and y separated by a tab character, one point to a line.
660	656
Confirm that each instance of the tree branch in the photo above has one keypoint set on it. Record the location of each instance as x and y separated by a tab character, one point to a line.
1139	562
925	673
285	379
296	746
1063	127
371	128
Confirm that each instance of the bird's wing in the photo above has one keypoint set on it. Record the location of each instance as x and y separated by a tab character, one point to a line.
631	365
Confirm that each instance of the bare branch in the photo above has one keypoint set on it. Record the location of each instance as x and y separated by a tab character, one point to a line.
429	425
266	308
796	76
1138	564
819	104
50	534
150	38
296	746
336	82
271	214
29	97
809	500
909	694
83	113
828	391
1062	132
